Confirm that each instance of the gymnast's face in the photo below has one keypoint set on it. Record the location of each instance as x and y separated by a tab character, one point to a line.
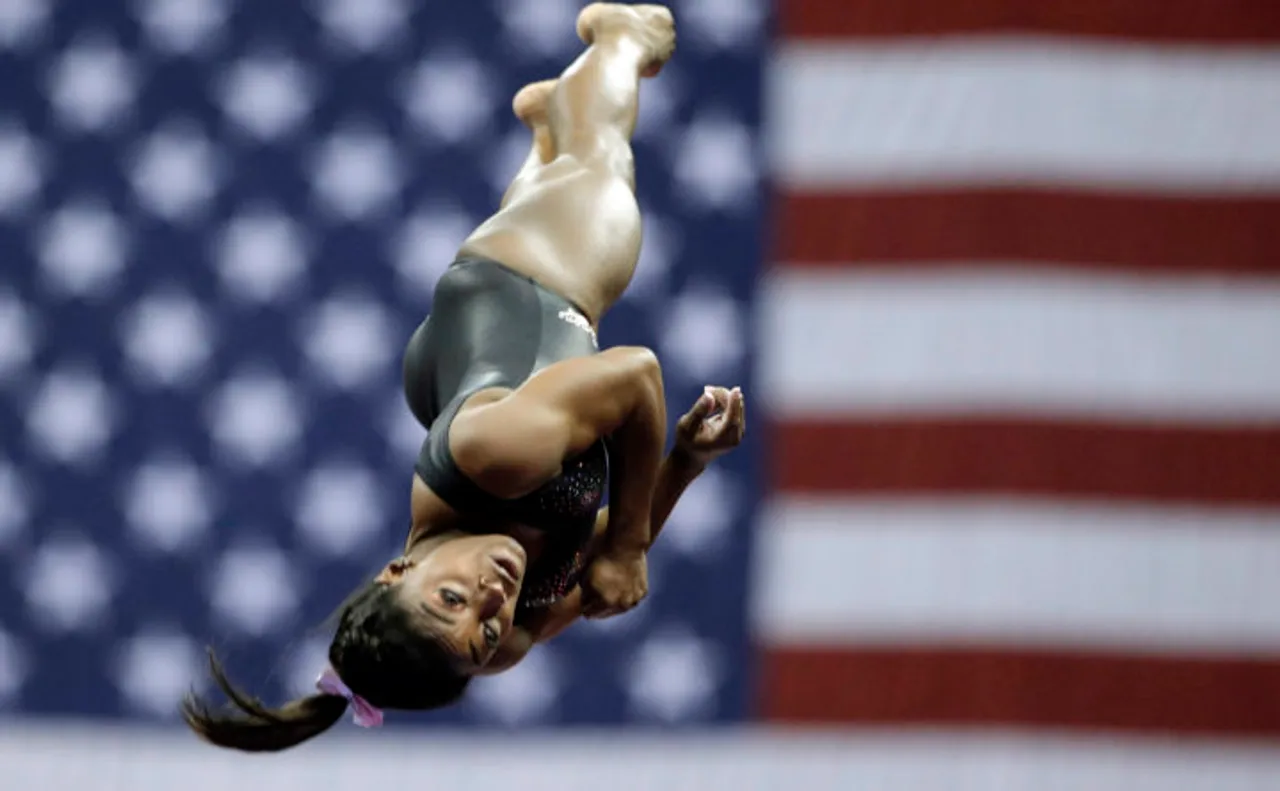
465	590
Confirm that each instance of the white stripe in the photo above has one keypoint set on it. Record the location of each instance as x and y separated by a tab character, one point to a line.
998	110
860	340
102	759
1143	579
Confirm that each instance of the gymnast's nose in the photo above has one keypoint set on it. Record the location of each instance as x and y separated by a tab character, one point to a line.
492	597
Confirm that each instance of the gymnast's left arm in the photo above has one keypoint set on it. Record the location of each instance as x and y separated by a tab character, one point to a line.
715	425
677	472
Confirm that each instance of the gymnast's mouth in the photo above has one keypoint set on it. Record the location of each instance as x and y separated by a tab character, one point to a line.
507	568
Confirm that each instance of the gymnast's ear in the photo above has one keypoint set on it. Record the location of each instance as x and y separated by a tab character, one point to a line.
256	728
394	571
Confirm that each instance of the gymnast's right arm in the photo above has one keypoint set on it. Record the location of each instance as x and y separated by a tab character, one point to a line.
512	446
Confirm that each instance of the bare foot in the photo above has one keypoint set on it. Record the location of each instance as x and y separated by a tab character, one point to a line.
652	26
530	104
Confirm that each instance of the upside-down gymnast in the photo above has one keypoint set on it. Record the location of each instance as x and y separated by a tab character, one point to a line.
529	423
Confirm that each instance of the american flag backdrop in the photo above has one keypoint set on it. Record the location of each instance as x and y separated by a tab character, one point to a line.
220	223
999	277
1020	340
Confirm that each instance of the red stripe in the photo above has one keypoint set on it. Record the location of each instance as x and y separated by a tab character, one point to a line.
976	687
1237	235
1242	21
1227	465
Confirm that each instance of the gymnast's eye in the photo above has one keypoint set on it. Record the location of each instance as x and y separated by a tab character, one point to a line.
490	636
451	599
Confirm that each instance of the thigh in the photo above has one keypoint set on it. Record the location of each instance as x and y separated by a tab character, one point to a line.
573	228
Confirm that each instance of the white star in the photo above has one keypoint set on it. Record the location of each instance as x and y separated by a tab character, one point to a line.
18	333
450	97
21	163
660	249
69	585
167	339
255	418
168	504
546	29
176	172
267	96
673	677
340	508
14	508
715	164
723	24
306	661
349	340
368	26
156	668
183	26
704	334
401	429
524	694
82	249
92	85
22	22
254	590
659	98
356	173
71	417
261	255
427	243
701	520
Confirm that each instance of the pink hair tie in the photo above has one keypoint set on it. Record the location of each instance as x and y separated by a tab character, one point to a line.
366	714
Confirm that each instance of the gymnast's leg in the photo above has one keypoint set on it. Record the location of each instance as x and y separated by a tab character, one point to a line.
572	222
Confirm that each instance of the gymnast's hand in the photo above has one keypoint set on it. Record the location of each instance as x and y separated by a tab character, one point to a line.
616	581
714	426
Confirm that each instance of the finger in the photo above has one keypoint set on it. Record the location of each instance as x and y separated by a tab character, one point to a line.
701	408
727	428
708	402
736	411
688	426
721	395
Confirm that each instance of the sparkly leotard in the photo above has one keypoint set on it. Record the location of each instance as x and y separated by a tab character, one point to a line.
492	327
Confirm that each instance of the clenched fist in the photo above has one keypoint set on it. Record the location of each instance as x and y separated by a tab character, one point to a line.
614	583
714	425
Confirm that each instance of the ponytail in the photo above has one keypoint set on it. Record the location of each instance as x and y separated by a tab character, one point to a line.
385	660
257	728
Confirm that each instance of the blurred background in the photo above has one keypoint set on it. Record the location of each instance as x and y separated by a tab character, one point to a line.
998	276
